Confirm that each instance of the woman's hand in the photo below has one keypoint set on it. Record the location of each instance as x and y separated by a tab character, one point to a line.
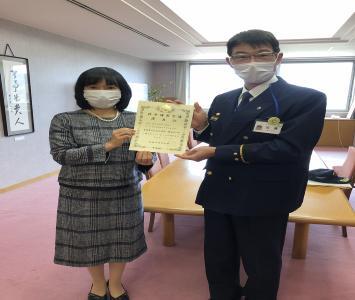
199	153
119	136
144	158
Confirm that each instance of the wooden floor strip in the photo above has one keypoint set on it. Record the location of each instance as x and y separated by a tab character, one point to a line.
27	182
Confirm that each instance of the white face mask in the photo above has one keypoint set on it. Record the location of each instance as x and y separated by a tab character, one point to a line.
255	72
102	98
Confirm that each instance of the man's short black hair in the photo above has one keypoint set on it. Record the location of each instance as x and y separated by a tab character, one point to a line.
254	38
111	77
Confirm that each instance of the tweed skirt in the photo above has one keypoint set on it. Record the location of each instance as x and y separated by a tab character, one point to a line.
99	226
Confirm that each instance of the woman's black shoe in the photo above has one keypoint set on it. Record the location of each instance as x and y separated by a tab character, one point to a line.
124	296
92	296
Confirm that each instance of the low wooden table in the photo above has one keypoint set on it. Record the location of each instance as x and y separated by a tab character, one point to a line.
173	191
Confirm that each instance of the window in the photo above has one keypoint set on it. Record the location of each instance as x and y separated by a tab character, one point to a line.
139	93
207	81
333	78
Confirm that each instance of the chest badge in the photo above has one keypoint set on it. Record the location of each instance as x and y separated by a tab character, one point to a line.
274	121
273	125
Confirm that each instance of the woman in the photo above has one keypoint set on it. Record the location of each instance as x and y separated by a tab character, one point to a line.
100	213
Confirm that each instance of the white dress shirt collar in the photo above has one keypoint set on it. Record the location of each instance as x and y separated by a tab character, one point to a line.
256	91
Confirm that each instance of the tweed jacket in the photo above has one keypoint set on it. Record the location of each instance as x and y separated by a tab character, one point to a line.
77	143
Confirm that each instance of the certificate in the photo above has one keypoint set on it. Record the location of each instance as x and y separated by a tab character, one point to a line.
162	127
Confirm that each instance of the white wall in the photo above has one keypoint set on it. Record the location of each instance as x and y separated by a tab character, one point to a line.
55	64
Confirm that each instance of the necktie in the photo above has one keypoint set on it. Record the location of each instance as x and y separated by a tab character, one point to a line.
245	99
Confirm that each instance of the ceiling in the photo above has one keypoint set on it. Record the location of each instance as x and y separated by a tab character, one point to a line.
149	30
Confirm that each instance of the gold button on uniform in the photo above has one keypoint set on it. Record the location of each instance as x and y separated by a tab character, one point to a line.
230	178
209	172
211	133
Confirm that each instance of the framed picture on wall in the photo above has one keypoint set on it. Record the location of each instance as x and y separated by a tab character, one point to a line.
15	95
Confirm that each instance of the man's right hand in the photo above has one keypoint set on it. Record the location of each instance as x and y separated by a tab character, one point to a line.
199	118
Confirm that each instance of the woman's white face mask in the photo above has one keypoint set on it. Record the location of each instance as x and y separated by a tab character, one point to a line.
255	72
102	98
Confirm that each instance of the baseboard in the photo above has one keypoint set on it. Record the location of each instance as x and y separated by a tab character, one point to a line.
27	182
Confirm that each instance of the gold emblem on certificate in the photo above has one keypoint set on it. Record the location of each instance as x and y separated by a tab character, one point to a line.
162	127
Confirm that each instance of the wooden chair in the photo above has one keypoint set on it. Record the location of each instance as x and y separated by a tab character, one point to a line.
164	159
149	174
347	170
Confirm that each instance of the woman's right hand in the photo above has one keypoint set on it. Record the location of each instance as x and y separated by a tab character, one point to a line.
199	118
119	136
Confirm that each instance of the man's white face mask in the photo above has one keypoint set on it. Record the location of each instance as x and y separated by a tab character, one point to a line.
102	98
255	72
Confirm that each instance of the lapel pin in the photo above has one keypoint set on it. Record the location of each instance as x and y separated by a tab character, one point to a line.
215	116
273	121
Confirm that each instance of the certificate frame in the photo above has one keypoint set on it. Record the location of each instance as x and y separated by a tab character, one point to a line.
15	95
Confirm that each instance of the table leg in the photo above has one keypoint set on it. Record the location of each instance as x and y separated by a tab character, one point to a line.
300	240
168	230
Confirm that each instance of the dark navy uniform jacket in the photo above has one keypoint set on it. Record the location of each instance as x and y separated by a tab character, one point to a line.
269	177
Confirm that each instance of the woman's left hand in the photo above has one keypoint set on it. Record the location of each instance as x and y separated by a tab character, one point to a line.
144	158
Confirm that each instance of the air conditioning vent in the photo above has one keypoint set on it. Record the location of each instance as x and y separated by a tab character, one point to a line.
100	14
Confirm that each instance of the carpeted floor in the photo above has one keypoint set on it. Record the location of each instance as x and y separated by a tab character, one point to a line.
27	223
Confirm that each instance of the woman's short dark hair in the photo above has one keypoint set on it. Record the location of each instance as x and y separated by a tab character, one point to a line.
95	75
253	37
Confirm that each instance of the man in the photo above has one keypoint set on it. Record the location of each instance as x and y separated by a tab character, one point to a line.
260	141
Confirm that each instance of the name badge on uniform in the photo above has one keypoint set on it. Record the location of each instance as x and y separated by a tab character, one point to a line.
272	126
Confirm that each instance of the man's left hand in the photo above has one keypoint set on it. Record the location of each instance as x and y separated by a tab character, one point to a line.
199	153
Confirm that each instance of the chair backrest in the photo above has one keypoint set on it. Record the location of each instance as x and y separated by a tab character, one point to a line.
164	159
337	133
154	169
348	167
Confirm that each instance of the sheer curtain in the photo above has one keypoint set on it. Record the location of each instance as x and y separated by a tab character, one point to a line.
182	74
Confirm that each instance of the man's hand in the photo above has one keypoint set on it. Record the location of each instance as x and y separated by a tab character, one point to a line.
199	118
199	153
144	158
